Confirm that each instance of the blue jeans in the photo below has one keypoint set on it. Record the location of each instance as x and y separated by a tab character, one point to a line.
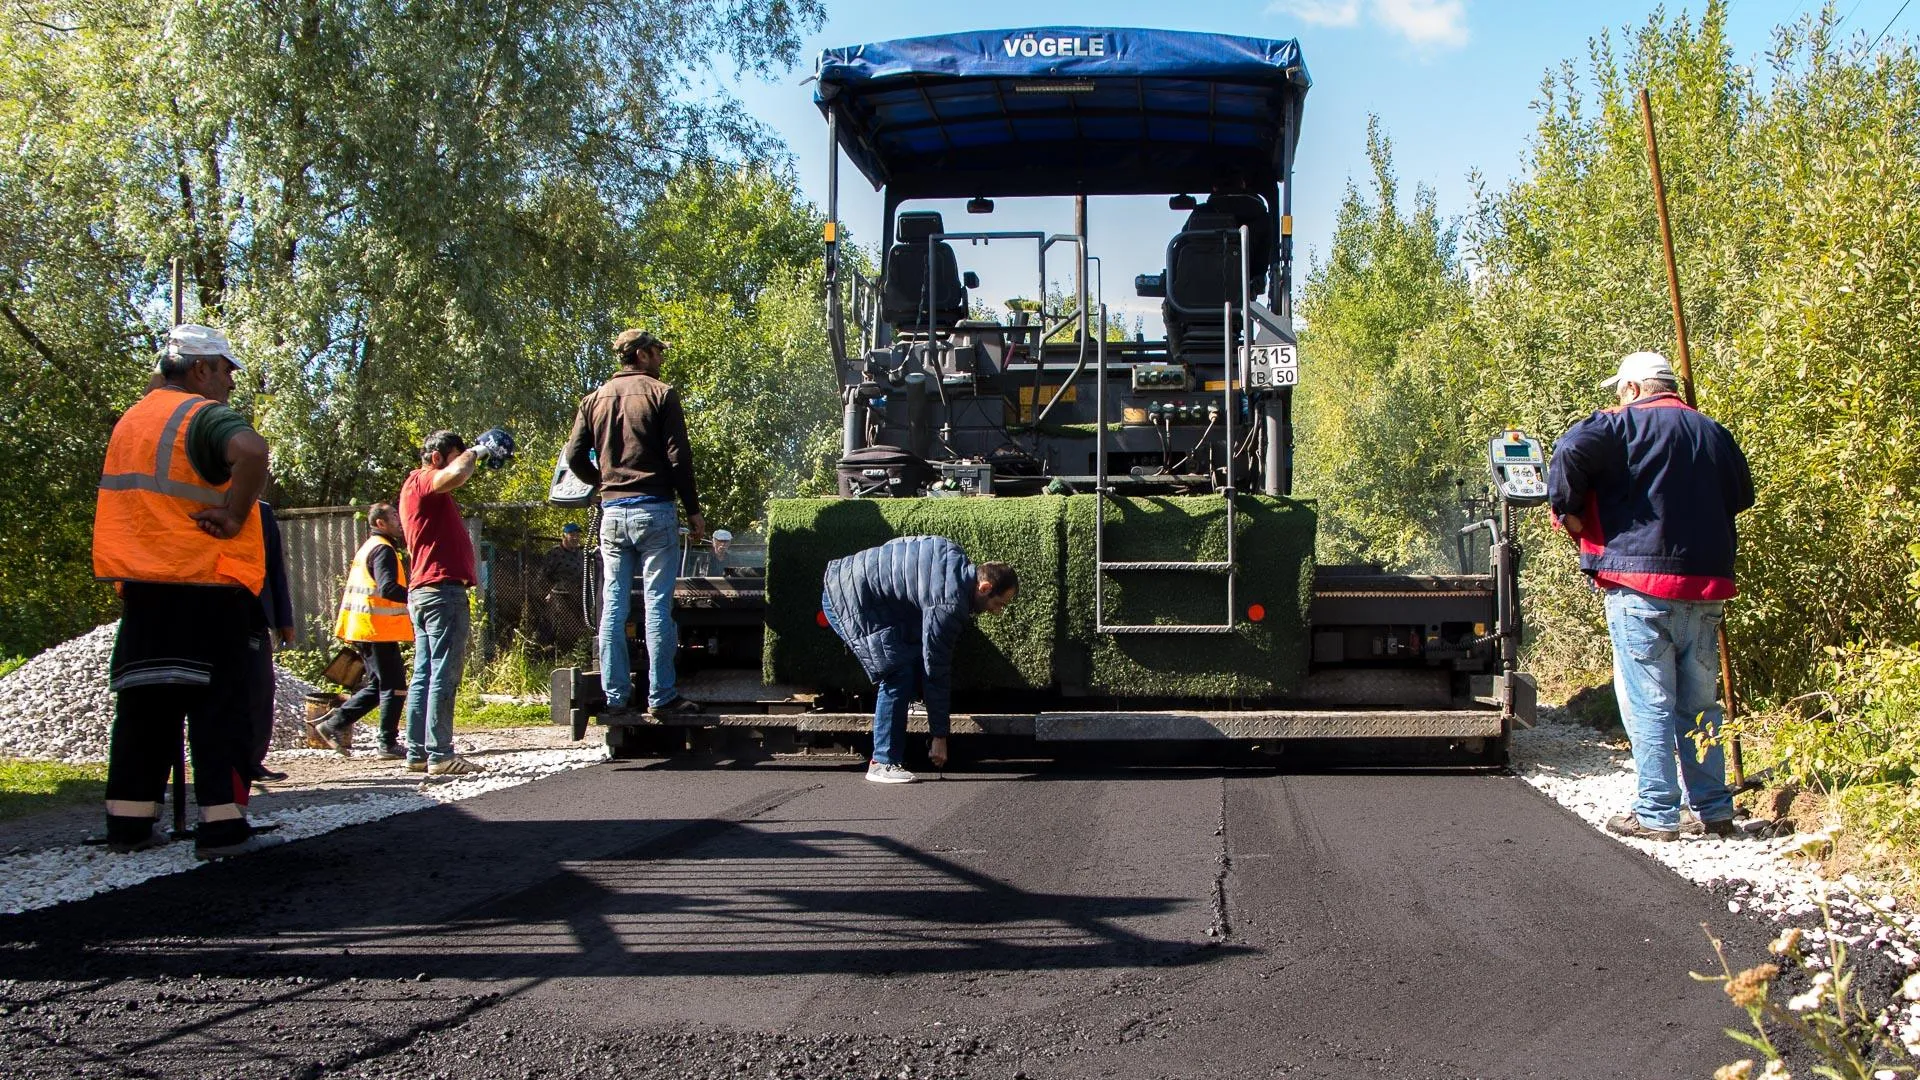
644	536
440	628
1666	672
896	690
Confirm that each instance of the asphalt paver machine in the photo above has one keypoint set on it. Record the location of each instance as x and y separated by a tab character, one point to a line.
1142	486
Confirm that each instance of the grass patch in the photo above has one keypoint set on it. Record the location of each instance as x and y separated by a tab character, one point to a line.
469	715
30	787
9	664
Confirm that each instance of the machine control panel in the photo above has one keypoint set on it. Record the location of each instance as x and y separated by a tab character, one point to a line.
1519	465
1162	377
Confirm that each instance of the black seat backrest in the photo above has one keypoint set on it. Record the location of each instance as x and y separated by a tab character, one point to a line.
1203	266
1247	210
905	292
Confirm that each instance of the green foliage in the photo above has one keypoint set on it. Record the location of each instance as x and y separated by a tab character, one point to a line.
1383	316
409	217
9	665
29	787
305	664
1798	239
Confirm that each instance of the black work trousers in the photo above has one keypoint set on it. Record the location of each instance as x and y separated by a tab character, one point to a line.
146	742
260	688
386	687
182	656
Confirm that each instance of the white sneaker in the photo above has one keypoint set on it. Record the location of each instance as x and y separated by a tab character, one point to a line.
889	774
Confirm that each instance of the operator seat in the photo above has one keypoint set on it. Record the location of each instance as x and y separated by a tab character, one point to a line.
1203	269
904	287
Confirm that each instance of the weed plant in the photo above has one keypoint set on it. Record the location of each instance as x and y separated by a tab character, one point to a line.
1829	1019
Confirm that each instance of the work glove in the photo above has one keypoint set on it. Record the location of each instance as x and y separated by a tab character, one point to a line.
494	447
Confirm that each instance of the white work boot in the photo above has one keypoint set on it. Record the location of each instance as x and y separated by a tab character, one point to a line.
889	774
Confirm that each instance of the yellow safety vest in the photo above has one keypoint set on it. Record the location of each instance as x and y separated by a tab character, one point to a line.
364	614
143	527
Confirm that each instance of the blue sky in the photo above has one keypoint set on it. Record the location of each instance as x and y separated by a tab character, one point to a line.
1452	82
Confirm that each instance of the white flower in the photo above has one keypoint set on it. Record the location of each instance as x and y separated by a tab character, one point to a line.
1776	1070
1911	988
1803	1001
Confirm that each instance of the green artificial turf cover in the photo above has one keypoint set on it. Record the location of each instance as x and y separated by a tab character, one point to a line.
1046	638
1274	541
1013	650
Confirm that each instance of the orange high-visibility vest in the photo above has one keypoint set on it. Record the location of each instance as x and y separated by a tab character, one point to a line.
143	529
364	614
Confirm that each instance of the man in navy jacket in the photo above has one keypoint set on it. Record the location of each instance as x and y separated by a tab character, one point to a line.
1649	489
901	607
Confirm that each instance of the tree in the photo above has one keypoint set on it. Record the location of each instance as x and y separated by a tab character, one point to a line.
1798	236
1379	426
410	215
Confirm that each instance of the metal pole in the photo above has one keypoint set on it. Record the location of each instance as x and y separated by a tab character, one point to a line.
1685	372
180	755
1080	266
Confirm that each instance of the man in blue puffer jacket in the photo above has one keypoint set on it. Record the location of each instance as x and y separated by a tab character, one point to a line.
1649	489
901	607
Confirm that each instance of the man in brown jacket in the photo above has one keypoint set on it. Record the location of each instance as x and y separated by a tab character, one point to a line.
630	439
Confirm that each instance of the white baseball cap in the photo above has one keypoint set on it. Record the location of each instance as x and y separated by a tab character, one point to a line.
192	339
722	535
1639	367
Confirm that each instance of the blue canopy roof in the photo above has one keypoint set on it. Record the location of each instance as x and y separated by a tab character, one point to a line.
1066	110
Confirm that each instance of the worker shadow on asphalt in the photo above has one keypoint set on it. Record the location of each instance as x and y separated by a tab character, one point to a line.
704	897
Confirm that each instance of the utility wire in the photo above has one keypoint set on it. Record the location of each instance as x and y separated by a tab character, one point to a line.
1890	22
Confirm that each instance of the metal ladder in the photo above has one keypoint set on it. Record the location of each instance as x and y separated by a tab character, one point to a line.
1234	371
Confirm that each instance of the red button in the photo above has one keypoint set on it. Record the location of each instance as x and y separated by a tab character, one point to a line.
1257	612
820	617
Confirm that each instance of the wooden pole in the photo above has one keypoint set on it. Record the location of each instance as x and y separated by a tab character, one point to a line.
1685	371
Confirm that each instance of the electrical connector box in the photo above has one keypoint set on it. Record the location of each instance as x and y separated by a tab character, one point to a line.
964	478
1161	377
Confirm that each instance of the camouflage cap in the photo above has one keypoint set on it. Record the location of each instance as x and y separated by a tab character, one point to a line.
627	341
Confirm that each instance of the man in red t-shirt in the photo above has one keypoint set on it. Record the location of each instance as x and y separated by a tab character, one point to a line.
442	571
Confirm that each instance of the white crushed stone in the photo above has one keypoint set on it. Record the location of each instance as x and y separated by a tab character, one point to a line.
57	707
1592	775
58	875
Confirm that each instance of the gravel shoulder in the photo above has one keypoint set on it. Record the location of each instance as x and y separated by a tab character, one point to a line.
44	860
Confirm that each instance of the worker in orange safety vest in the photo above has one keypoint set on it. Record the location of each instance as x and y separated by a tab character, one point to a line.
373	616
177	528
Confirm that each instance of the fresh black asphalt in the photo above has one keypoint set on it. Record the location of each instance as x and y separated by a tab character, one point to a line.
783	918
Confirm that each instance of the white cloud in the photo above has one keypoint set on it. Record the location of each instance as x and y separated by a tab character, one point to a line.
1425	23
1439	23
1319	12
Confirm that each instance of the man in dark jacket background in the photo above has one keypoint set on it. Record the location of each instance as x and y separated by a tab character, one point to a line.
1649	489
901	607
630	440
276	600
